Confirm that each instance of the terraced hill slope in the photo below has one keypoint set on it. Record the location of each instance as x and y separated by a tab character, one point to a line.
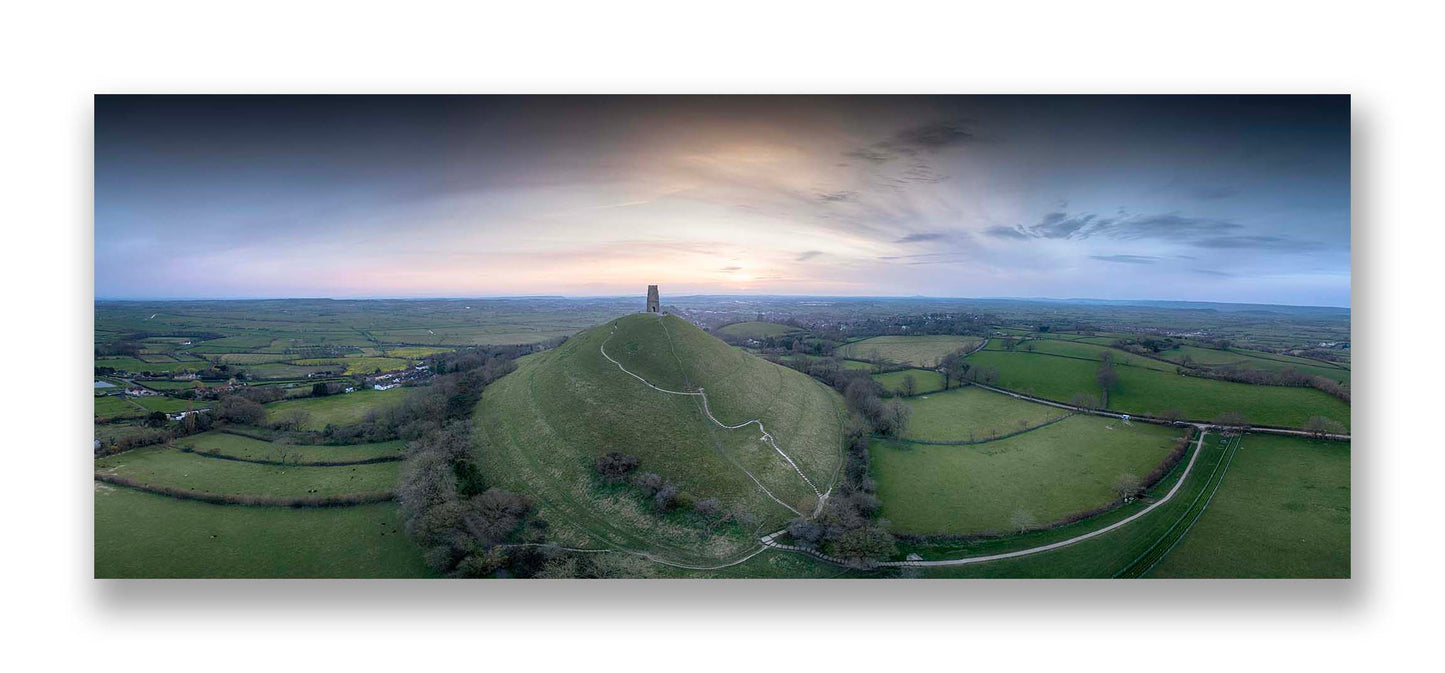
684	403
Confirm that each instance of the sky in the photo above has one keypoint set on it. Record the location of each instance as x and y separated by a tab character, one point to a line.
1215	198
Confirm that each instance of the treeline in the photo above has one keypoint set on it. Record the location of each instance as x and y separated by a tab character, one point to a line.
340	500
1287	376
465	529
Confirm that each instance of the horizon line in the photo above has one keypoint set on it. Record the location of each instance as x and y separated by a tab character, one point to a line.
621	296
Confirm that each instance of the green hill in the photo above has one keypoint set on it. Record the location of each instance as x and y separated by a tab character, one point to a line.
541	427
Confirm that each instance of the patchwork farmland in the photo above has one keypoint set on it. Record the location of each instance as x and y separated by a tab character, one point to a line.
488	438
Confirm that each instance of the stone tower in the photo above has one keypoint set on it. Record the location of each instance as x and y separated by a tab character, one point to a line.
653	304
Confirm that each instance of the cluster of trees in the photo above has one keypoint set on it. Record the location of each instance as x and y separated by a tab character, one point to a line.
664	495
1150	345
848	527
459	524
884	417
1320	427
928	323
124	348
954	367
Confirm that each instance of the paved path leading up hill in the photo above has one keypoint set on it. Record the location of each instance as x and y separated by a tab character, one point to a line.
766	437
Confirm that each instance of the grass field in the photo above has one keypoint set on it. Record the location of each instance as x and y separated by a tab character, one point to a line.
357	365
165	466
415	352
255	449
137	365
755	330
337	409
1255	360
1143	391
171	405
543	425
919	351
114	406
140	534
1283	510
926	380
1049	473
1087	351
1100	557
969	414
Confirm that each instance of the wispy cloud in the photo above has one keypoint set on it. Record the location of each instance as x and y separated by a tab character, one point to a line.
1126	259
920	238
805	256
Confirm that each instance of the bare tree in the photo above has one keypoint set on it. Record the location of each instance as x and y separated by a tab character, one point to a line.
1106	377
910	385
1320	427
1231	419
1021	520
1126	485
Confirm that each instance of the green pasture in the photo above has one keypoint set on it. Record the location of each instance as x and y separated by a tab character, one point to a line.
342	409
1283	510
254	449
972	414
108	407
1048	473
143	535
1142	391
919	351
128	364
358	365
926	380
755	330
1088	351
165	466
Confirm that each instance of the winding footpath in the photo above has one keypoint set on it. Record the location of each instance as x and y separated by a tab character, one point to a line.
766	436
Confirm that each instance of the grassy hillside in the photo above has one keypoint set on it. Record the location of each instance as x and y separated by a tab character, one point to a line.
1283	510
542	426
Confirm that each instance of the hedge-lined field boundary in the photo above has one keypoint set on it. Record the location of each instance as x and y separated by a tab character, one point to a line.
1157	475
293	463
310	501
973	442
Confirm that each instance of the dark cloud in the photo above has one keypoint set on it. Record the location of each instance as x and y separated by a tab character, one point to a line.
1125	259
730	269
919	238
1210	272
805	256
932	136
837	197
915	140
